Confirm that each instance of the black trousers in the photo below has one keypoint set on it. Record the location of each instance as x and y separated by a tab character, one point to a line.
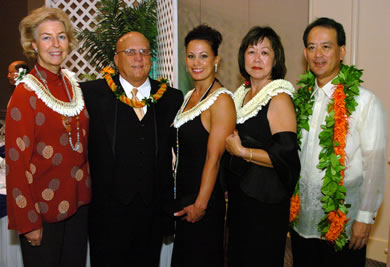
64	244
319	253
124	235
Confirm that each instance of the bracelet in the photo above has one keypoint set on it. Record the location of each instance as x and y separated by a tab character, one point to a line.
250	155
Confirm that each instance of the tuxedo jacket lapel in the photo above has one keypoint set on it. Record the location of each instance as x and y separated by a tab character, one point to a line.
154	85
109	113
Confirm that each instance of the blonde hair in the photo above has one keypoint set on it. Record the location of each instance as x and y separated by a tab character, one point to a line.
29	24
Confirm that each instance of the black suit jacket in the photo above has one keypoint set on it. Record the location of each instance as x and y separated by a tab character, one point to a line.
103	141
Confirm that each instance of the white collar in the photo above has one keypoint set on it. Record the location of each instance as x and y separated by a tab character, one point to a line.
143	90
327	89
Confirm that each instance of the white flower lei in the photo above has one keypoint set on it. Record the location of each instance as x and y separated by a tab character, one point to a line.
72	108
183	117
261	99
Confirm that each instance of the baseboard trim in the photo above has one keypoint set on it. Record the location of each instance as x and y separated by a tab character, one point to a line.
376	249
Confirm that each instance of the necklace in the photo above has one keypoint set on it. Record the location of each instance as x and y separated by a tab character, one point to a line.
204	94
121	95
67	120
332	157
177	133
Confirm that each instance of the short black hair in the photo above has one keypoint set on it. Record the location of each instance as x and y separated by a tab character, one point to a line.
255	35
206	33
327	23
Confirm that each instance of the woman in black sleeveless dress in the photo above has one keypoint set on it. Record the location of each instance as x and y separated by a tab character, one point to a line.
205	119
264	167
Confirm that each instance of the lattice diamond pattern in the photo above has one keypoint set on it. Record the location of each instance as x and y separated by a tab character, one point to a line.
82	14
165	39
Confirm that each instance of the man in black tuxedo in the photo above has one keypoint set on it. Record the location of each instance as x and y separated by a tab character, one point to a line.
130	160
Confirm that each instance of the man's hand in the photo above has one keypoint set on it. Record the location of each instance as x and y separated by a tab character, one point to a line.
359	235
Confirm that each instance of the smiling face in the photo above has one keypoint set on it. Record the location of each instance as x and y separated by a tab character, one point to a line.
259	60
133	68
51	44
200	60
323	54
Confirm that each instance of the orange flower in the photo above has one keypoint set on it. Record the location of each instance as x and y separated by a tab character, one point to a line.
341	125
337	221
295	203
108	70
123	98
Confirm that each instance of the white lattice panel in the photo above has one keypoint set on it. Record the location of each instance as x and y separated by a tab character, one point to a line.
82	14
165	39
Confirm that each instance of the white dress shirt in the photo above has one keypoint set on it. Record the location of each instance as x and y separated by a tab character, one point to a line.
365	172
143	90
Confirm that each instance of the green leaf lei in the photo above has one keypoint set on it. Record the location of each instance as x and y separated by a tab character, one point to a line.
334	192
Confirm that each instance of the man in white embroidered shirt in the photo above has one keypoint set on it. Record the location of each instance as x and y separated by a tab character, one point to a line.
353	137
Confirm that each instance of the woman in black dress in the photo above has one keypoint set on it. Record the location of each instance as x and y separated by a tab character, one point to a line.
264	166
205	119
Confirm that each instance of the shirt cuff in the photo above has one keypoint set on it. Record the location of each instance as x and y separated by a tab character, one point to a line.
366	217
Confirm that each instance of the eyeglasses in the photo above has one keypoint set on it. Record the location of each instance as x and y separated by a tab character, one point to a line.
133	52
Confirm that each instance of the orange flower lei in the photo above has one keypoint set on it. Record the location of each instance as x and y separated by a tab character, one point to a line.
338	220
295	203
332	156
121	95
340	126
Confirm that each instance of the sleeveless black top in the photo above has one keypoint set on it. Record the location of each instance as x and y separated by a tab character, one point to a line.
268	185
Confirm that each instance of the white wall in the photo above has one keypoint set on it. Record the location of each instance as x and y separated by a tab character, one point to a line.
233	18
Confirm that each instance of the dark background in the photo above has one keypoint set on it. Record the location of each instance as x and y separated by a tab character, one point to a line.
11	13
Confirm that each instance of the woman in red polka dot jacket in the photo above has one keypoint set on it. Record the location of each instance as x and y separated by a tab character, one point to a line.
48	182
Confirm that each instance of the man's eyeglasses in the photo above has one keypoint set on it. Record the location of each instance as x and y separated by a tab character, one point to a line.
133	52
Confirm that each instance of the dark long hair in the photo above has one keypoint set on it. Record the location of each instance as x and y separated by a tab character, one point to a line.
256	35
